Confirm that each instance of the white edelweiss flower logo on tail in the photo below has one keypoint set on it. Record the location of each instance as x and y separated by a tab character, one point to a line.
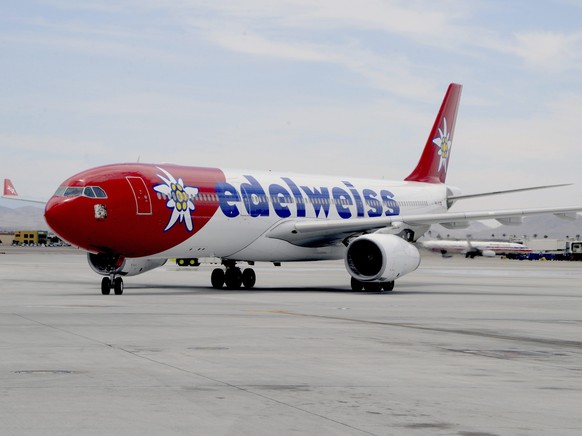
443	142
179	199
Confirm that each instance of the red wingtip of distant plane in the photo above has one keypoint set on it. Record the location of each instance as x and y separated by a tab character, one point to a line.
433	164
9	189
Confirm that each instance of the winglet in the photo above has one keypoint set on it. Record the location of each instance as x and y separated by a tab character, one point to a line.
9	190
433	164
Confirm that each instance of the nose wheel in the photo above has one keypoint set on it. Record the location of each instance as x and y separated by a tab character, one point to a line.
115	283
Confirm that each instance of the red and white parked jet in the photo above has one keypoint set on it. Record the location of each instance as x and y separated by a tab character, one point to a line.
9	189
132	217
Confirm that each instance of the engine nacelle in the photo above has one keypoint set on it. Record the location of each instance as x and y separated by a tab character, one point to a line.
380	258
106	264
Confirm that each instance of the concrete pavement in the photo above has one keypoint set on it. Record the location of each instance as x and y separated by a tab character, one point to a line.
461	347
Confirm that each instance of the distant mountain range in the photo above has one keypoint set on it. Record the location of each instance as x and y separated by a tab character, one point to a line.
22	218
31	218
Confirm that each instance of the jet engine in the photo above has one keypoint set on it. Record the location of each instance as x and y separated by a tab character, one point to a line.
477	252
105	264
380	258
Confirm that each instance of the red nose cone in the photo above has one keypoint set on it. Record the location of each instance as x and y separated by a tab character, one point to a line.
51	216
133	210
65	216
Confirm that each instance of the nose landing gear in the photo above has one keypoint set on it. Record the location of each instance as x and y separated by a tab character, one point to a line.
112	282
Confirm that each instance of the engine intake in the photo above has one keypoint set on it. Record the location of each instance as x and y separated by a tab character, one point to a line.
380	258
105	264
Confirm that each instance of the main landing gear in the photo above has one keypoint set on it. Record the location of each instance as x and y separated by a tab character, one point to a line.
371	286
115	283
233	277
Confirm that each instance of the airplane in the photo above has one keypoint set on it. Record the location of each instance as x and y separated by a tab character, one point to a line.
474	248
132	217
10	193
9	189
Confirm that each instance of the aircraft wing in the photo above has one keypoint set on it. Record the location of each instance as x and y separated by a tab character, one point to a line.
321	232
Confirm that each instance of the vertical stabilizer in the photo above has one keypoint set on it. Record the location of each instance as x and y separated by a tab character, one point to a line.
433	164
9	190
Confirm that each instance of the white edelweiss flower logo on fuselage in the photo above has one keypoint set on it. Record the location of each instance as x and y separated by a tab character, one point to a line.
180	199
443	142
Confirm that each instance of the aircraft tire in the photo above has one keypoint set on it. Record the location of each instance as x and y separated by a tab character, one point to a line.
249	278
217	278
373	286
388	286
357	285
106	286
118	286
233	278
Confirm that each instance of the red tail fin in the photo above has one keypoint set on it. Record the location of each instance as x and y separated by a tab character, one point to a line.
432	166
9	188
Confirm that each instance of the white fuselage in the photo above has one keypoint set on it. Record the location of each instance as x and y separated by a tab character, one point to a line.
251	203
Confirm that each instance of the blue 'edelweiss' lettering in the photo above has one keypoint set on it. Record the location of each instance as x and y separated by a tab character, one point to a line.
318	199
257	201
254	198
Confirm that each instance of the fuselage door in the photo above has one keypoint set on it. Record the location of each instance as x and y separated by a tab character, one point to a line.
143	202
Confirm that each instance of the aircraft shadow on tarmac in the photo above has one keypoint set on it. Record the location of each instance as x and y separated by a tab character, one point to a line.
408	288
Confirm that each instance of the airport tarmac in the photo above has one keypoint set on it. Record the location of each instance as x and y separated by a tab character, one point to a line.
461	347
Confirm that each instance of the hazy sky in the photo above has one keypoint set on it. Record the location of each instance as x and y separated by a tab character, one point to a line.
327	86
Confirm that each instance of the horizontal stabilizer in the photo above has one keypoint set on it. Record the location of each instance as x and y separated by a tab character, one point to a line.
509	191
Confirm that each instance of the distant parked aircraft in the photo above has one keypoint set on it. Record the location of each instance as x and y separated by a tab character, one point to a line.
11	194
9	189
474	248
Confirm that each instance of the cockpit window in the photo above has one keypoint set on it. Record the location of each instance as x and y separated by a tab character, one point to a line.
75	191
99	193
61	191
88	192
